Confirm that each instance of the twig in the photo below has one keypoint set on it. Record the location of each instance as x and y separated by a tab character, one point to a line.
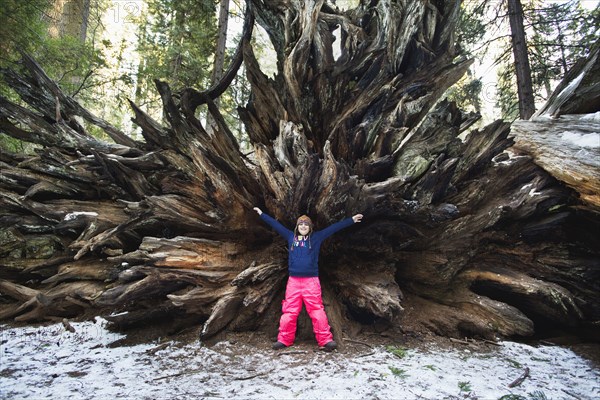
191	371
358	341
157	348
571	394
459	341
491	342
67	325
473	342
292	352
366	354
364	344
245	378
520	379
547	343
416	396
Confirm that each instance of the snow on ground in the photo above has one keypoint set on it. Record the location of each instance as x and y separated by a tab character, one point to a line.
51	362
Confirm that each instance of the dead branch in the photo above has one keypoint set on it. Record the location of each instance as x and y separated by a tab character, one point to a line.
520	379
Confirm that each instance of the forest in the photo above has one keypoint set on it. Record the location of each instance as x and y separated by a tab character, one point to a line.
136	138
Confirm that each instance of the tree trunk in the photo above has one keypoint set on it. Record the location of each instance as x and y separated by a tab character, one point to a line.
219	62
85	19
69	18
460	237
522	68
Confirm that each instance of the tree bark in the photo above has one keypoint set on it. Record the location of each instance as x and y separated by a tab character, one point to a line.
219	62
85	19
522	68
579	91
461	237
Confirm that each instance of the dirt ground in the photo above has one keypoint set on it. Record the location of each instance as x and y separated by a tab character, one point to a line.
49	361
362	341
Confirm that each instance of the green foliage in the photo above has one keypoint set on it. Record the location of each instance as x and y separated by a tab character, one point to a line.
12	145
176	44
237	94
470	31
471	26
79	65
23	27
466	93
558	34
71	63
562	33
537	395
399	352
464	386
70	60
507	92
513	363
400	373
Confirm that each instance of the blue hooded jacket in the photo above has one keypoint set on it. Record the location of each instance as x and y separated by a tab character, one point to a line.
303	259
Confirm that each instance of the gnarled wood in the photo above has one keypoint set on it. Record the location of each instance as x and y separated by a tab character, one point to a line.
463	234
568	148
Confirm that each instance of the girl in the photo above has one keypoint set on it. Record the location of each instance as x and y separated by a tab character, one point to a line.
303	284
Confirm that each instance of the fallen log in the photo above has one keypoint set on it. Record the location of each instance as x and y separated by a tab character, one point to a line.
568	147
34	305
466	233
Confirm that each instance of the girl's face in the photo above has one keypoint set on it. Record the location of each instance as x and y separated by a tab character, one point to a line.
303	228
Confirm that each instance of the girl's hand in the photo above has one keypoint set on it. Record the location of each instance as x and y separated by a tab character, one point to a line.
357	218
258	210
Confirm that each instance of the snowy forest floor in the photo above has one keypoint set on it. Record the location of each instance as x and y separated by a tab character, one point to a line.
49	361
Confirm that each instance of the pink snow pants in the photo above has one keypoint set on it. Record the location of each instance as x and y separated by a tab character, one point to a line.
297	291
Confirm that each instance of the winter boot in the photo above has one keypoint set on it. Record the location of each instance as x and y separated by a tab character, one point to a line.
330	346
278	346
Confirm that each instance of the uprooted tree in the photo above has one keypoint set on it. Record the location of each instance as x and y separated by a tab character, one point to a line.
461	236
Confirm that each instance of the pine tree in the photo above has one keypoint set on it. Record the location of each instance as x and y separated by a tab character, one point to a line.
176	45
521	59
562	33
557	36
